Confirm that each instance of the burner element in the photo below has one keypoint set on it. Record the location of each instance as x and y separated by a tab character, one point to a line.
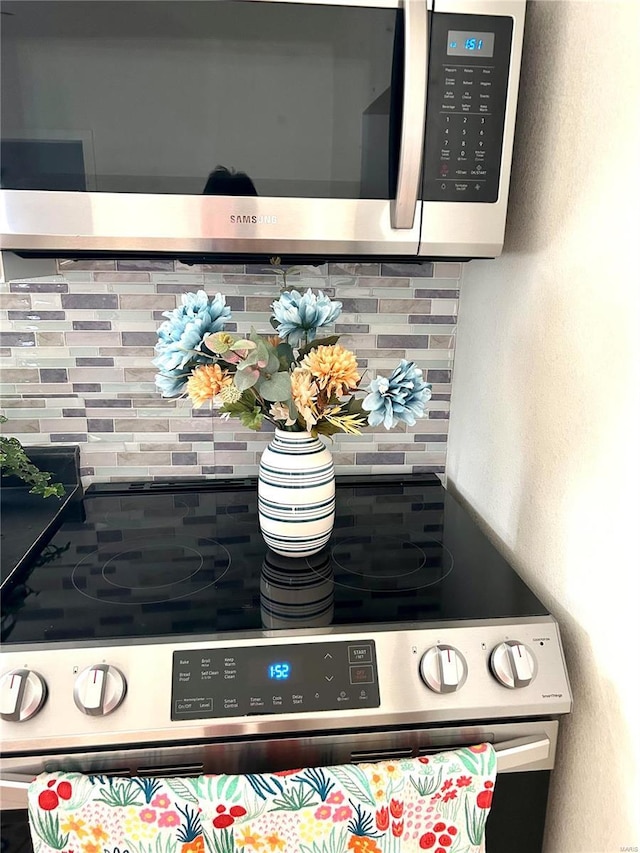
389	563
142	572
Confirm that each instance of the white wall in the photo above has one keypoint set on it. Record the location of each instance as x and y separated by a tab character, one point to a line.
545	419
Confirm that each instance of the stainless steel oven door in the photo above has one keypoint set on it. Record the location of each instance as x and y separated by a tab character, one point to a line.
525	751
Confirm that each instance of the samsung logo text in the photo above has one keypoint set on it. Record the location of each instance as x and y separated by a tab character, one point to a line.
253	220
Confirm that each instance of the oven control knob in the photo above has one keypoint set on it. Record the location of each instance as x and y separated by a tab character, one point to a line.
22	694
513	664
99	689
443	669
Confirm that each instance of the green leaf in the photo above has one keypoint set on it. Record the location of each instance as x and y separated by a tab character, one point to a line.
246	378
285	355
15	462
319	342
469	760
182	790
252	420
355	782
277	388
325	427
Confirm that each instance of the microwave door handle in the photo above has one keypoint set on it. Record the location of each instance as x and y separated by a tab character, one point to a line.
520	752
414	106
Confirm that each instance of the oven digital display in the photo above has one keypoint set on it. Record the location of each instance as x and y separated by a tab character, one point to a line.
283	679
279	671
466	43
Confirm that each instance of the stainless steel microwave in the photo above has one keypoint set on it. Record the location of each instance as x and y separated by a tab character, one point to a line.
330	129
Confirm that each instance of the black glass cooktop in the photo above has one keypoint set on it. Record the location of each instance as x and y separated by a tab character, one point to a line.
158	559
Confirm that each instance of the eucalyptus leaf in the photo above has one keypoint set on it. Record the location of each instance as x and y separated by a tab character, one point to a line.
276	389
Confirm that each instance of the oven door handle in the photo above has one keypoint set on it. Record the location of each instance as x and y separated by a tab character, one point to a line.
13	790
513	754
518	753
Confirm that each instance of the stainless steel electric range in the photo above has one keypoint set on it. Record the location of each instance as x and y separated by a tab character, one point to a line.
155	634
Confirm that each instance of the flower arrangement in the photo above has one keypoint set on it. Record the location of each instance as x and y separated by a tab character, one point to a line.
294	380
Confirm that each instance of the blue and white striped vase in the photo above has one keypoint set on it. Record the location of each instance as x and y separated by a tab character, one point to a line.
296	494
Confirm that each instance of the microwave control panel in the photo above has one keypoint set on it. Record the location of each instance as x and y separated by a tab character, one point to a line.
466	105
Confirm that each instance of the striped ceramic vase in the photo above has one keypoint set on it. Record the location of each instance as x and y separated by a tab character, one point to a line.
296	494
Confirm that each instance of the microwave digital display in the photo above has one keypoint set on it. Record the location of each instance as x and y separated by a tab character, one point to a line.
462	43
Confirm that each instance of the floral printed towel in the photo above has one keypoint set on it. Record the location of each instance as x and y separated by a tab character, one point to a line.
438	803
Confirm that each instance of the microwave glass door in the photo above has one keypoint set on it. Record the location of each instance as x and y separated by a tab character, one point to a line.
199	98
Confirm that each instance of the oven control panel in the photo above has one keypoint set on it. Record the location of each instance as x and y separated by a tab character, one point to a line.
282	679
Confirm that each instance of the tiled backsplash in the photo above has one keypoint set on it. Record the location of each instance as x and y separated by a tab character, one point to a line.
77	353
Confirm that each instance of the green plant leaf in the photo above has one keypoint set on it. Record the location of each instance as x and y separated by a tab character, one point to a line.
319	342
15	462
246	378
253	419
277	388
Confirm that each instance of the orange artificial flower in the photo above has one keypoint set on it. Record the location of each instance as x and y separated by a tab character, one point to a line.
206	382
335	369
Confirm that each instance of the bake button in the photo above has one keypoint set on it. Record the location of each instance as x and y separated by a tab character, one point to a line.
360	654
361	674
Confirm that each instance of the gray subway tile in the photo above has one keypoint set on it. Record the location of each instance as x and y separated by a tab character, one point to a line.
89	301
182	458
94	362
237	303
91	325
359	305
354	269
68	437
380	458
39	287
352	328
436	293
431	320
438	376
34	314
74	413
427	469
17	339
403	341
416	270
435	415
229	445
108	404
139	339
427	436
217	469
441	398
193	436
53	374
146	265
100	425
405	306
86	387
69	265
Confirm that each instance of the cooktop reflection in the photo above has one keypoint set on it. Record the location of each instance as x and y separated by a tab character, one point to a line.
157	559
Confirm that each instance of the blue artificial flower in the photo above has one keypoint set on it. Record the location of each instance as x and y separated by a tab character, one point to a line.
172	383
401	397
300	315
185	327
